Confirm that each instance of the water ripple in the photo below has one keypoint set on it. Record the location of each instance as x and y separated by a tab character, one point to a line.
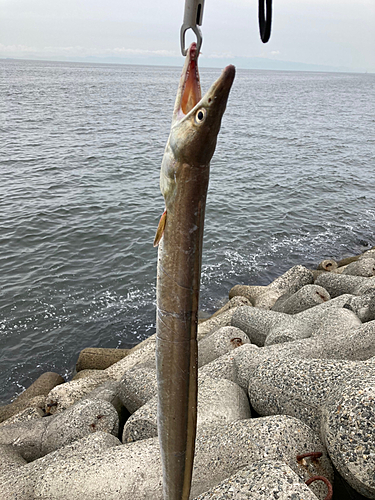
292	182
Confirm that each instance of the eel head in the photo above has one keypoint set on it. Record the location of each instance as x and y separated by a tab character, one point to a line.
196	120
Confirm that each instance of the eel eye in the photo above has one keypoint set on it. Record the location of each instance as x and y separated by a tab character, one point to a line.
200	115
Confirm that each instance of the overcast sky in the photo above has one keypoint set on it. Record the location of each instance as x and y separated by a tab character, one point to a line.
336	33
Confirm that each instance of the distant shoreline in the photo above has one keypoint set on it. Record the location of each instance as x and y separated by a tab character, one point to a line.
242	63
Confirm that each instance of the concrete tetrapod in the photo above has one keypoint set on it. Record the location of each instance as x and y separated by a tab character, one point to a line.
365	255
239	365
266	296
99	358
37	438
330	321
65	395
221	341
306	297
10	460
327	265
145	351
113	392
339	284
362	267
41	387
27	475
333	397
236	301
139	385
363	305
215	322
142	353
264	479
133	471
30	413
219	401
271	327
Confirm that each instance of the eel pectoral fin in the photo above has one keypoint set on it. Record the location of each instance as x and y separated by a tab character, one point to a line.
160	229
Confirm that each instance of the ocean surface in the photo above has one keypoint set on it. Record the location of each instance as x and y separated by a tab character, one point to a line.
292	182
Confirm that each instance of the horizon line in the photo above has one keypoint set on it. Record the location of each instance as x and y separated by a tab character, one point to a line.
116	61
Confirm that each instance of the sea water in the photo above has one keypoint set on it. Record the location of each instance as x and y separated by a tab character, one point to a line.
292	182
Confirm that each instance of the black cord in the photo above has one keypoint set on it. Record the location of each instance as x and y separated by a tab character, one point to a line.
265	22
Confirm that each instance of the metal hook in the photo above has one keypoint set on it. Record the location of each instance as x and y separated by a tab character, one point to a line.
192	20
265	21
327	483
313	455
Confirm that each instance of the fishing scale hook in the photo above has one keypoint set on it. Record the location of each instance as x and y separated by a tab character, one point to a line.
193	16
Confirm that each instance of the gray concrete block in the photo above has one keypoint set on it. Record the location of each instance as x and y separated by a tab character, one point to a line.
142	424
348	429
99	358
266	296
96	442
261	480
86	373
36	438
111	391
236	301
80	420
261	324
354	258
297	387
25	437
215	344
133	471
368	254
142	353
214	323
65	395
363	267
219	401
10	460
327	265
25	415
41	387
247	441
333	397
347	260
328	322
22	481
226	366
239	365
315	273
363	305
339	284
139	385
306	297
336	320
257	323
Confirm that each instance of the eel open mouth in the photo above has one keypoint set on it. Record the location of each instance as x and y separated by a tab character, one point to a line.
191	89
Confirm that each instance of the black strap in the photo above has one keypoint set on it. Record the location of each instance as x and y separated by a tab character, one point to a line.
265	22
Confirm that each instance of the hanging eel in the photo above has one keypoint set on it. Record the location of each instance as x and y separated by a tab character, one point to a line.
183	181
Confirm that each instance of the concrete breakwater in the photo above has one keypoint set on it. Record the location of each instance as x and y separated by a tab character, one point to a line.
286	403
